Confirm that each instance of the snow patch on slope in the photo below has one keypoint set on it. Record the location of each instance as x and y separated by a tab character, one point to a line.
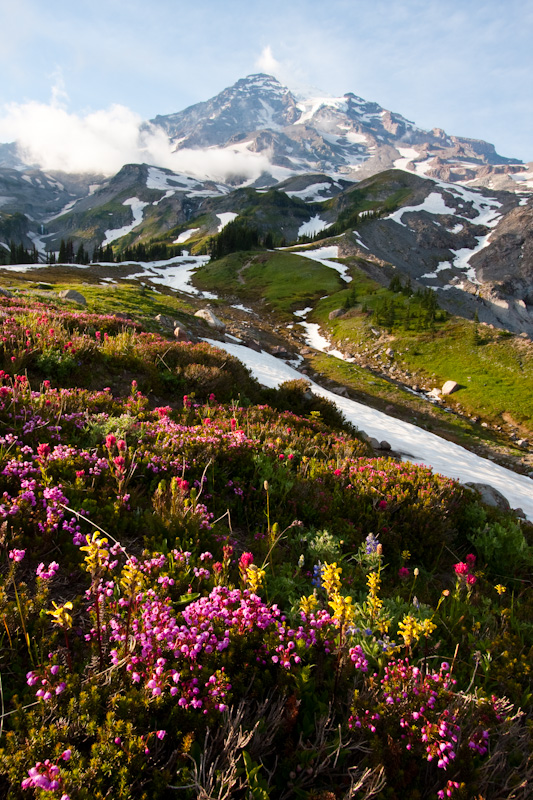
137	207
445	457
322	255
313	226
225	218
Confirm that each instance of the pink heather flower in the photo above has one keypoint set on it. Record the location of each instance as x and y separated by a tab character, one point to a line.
17	555
461	568
160	734
49	572
65	755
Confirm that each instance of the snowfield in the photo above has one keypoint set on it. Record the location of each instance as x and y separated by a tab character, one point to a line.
137	207
414	444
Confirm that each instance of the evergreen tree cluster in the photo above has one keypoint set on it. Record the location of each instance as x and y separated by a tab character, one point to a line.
153	251
238	235
18	254
67	255
420	312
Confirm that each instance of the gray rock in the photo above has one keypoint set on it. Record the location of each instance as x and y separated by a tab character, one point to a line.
211	318
338	312
252	344
342	391
490	495
181	334
166	322
384	445
449	387
73	296
280	352
5	292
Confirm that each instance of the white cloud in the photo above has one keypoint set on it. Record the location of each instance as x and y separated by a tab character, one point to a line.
267	63
103	141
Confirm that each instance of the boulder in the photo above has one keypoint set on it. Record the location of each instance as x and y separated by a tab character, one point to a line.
73	296
211	318
384	445
449	387
280	352
338	312
166	322
5	293
181	334
252	344
490	495
342	391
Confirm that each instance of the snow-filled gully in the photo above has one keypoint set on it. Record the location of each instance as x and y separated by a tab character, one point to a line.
414	444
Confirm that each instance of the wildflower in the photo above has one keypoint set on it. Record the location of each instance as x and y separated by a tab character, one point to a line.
403	573
331	579
61	615
16	555
97	555
500	589
316	580
49	572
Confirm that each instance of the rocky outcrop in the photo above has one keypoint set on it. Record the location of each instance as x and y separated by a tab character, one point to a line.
73	296
211	318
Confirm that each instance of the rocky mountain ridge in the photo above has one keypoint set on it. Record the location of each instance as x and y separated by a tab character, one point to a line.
342	136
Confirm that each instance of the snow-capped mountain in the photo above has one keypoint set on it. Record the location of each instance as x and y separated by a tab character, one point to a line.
341	136
448	212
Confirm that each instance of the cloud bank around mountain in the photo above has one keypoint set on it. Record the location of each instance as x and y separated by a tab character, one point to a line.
50	136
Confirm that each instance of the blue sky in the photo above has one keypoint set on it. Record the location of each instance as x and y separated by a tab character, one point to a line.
465	66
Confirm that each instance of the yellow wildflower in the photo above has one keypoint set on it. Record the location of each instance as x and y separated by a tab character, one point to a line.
331	578
343	611
308	604
254	577
131	580
61	615
97	555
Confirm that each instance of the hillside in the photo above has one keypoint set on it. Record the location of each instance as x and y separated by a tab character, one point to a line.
215	588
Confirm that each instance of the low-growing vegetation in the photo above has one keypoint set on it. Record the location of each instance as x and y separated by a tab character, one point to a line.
225	595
